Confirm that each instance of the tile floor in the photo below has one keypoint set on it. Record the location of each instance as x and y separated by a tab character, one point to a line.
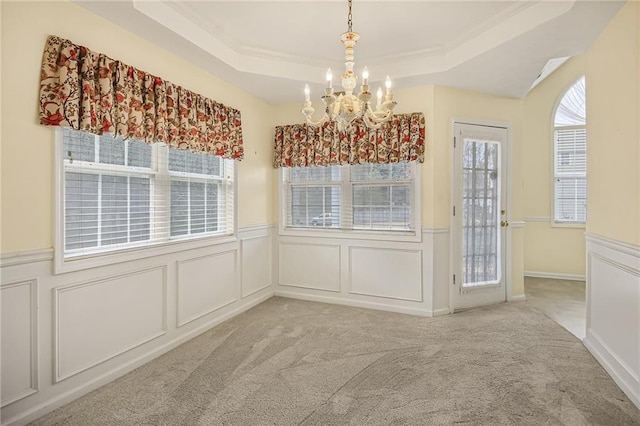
562	300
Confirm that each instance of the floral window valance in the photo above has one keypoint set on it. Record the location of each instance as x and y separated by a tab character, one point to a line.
300	145
89	91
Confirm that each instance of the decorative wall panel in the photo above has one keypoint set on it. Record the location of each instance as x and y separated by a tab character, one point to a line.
19	345
97	320
256	264
206	284
613	310
383	272
315	266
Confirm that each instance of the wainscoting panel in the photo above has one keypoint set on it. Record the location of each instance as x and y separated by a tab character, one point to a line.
613	310
206	284
98	320
257	263
66	334
383	272
307	265
402	275
436	270
19	369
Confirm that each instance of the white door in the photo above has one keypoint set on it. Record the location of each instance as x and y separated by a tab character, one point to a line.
479	215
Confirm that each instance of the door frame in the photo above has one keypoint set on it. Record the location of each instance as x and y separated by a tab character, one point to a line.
509	194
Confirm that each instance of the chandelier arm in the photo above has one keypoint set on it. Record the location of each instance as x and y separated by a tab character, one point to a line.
323	119
375	121
372	124
378	115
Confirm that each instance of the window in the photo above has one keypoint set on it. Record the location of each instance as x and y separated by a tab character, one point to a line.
570	156
374	197
124	193
196	188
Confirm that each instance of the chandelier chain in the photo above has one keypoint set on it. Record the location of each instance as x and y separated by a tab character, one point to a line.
346	106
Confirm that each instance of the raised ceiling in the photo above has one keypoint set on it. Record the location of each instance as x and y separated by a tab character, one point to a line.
271	48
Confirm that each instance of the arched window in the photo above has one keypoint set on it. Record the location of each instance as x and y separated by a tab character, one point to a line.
570	156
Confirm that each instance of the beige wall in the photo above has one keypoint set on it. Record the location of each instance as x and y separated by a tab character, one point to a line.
547	249
453	104
27	148
27	208
613	111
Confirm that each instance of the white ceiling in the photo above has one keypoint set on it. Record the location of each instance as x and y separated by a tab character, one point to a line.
271	48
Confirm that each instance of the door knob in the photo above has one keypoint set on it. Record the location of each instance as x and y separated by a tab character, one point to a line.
504	223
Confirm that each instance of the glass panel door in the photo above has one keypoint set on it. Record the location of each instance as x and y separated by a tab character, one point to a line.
480	210
479	216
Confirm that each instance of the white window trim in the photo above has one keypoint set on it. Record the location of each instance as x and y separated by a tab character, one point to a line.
552	216
562	224
414	235
77	263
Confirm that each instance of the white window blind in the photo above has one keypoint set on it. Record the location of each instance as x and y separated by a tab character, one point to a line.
121	194
360	197
570	156
314	197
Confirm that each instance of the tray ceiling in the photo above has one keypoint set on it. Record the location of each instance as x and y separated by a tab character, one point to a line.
271	48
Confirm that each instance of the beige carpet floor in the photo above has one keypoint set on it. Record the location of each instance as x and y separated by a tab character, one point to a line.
563	301
290	362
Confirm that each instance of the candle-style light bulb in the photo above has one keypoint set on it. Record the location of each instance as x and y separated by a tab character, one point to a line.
387	84
365	76
379	96
307	91
329	77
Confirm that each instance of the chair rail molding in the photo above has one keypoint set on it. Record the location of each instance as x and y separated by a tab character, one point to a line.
542	219
25	257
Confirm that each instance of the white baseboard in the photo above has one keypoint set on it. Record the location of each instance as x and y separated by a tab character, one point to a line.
554	276
361	304
518	298
441	312
621	374
64	398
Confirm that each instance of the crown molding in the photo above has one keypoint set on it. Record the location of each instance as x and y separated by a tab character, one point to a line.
511	22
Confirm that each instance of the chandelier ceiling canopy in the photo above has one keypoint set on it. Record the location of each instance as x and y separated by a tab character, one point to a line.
344	107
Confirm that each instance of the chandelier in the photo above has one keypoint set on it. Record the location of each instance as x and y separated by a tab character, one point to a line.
344	107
